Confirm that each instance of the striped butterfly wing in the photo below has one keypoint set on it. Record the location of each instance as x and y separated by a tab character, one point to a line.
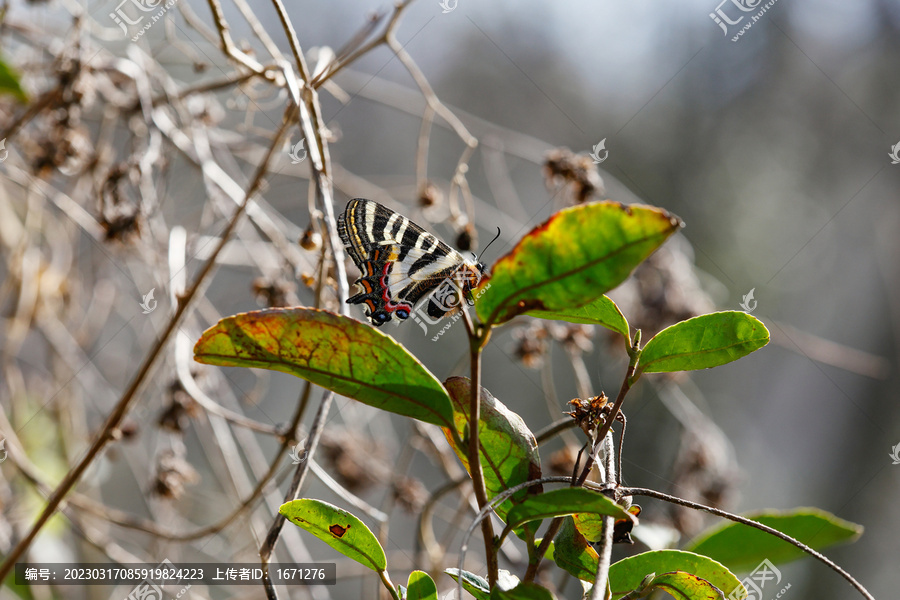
400	262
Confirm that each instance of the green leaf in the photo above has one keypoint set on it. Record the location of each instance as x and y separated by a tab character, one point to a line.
333	351
571	553
601	311
685	586
472	583
421	587
9	82
509	452
628	573
564	501
337	528
703	342
742	548
572	259
523	591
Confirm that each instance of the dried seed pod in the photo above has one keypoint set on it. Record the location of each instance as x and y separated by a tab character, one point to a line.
467	238
172	474
176	416
562	167
531	346
589	413
311	239
410	494
430	195
273	292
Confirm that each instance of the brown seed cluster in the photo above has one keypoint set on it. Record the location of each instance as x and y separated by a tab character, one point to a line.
577	172
589	413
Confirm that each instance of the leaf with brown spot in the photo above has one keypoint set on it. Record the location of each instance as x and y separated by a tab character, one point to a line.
353	540
332	351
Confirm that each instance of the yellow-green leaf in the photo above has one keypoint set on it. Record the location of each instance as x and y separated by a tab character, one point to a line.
572	553
627	574
601	311
703	342
337	528
332	351
576	256
509	452
421	587
685	586
564	501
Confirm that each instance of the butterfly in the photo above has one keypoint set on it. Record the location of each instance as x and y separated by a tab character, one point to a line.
401	263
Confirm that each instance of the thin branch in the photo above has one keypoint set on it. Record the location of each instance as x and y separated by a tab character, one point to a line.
477	341
268	546
121	409
552	429
601	580
755	524
489	507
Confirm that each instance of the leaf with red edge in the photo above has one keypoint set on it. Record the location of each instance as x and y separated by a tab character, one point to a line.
573	258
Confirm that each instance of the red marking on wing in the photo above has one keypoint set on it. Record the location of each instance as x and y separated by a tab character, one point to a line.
390	305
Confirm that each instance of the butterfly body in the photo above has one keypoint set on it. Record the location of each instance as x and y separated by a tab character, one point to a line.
401	263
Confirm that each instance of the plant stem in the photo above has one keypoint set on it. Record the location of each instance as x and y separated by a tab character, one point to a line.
477	340
627	382
106	434
601	581
535	561
634	355
268	546
389	584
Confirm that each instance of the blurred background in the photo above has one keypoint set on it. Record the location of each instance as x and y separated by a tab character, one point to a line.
774	149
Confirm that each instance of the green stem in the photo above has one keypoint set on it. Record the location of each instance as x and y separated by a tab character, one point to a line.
477	341
386	580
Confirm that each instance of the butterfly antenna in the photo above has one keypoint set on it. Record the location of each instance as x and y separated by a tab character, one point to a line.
491	242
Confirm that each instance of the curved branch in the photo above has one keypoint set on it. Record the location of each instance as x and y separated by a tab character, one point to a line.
751	523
